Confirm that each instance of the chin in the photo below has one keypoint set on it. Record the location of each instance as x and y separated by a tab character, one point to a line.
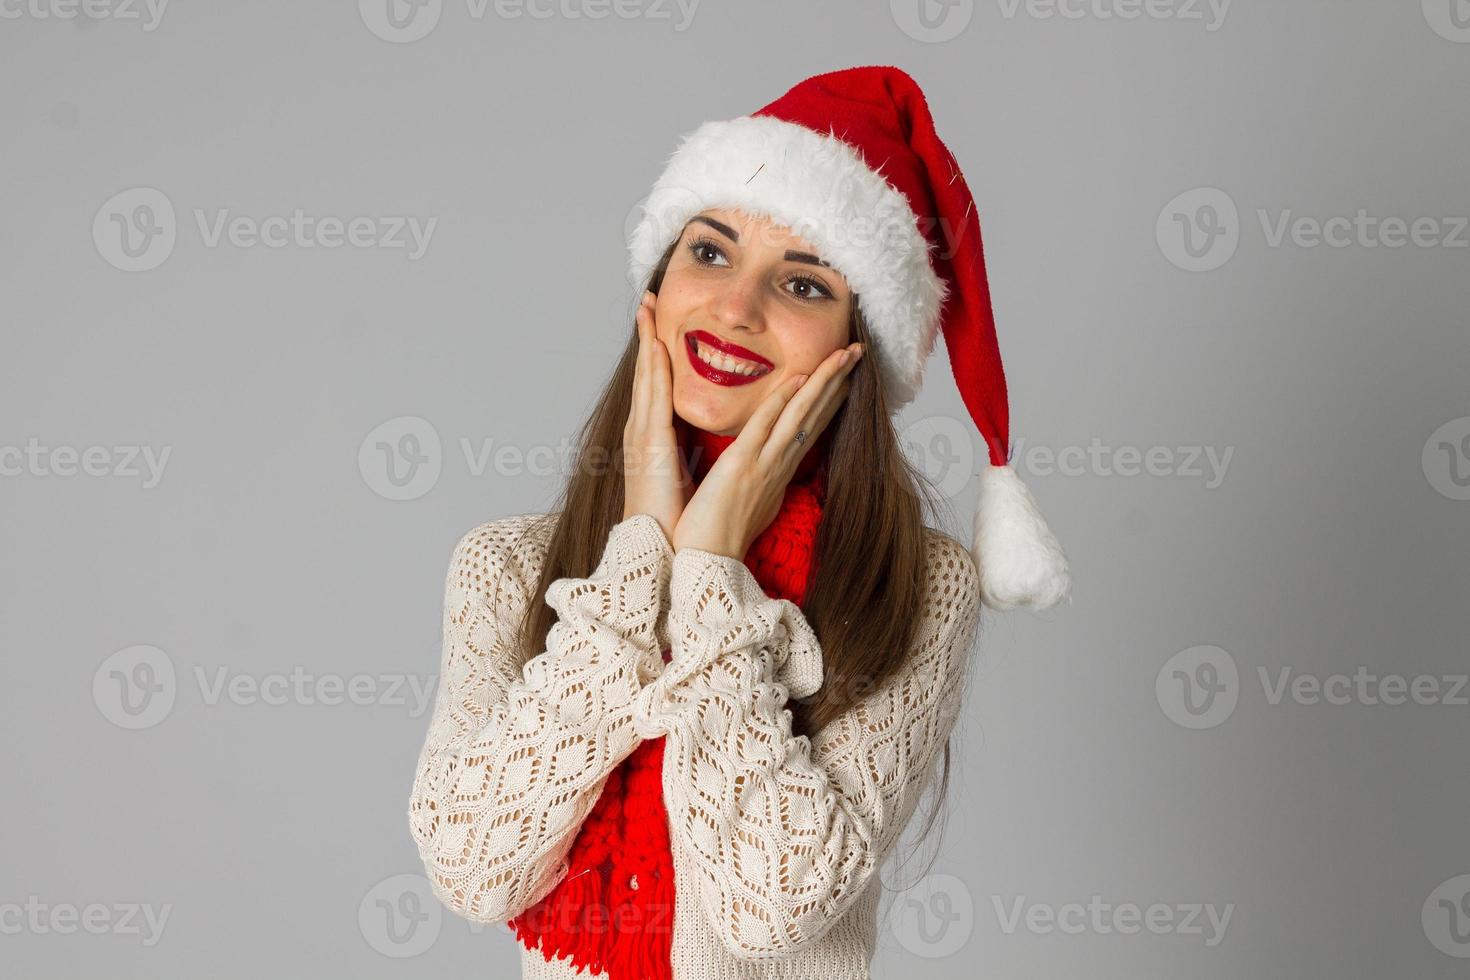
711	416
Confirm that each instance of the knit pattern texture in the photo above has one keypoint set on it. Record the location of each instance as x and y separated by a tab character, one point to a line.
775	840
613	913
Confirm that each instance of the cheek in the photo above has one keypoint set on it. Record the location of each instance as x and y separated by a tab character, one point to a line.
808	347
675	304
808	360
666	327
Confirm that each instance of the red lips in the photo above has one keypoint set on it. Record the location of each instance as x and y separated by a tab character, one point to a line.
714	374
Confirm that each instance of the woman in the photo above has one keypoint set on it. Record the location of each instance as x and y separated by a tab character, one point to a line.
684	717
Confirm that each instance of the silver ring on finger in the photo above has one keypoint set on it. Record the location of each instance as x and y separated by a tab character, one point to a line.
801	436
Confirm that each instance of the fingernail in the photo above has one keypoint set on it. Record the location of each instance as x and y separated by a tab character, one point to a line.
846	356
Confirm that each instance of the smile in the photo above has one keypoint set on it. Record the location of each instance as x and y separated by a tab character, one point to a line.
724	363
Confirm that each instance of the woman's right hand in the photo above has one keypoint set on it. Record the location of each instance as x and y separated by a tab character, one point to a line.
656	478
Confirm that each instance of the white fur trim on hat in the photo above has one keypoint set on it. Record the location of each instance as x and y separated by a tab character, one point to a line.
1021	562
820	188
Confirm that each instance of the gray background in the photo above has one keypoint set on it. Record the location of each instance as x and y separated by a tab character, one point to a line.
275	833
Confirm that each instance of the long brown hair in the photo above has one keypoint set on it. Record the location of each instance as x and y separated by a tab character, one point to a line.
869	570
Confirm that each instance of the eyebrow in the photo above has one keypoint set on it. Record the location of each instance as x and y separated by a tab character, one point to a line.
729	233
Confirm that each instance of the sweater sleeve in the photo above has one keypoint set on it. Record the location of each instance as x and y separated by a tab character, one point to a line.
787	832
515	759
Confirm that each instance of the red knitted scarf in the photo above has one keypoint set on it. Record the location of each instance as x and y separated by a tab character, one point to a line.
614	911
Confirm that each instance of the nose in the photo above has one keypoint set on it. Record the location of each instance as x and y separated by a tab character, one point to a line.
737	306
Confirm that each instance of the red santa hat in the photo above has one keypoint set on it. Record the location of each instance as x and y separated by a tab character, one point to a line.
850	161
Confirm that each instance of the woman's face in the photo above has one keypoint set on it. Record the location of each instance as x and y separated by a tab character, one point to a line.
750	285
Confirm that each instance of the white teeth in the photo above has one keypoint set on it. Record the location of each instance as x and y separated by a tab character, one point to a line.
727	363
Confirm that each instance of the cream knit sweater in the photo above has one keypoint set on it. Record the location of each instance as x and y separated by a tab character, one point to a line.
776	840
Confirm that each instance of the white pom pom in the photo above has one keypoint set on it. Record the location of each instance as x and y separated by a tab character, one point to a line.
1021	562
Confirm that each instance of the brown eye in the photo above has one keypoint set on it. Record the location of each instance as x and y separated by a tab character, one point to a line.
702	247
811	284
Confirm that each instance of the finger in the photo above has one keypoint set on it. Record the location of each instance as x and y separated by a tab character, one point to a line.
832	394
661	373
757	429
643	369
812	407
783	452
826	411
828	375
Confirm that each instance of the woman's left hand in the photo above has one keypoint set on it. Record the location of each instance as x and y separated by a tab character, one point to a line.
742	492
